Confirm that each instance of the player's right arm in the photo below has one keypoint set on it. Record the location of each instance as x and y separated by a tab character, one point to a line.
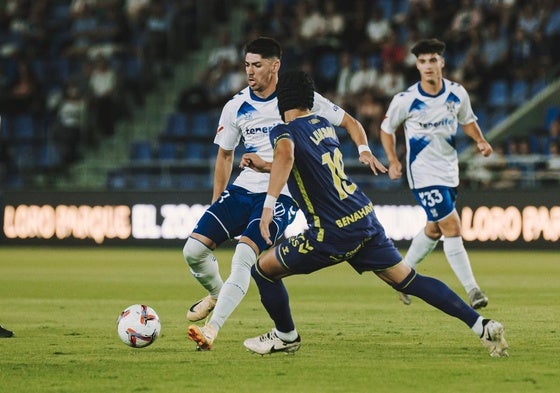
390	146
279	172
359	137
394	117
227	138
222	172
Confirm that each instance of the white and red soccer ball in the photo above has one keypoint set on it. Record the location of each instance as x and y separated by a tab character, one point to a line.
138	326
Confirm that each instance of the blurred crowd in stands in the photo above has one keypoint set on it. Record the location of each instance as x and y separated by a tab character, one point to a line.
359	55
71	69
76	67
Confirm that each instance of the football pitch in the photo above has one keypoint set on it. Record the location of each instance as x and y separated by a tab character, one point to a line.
63	303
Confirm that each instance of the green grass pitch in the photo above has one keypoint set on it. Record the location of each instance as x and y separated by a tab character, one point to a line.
62	304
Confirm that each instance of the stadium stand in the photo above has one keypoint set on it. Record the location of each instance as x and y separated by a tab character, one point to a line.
179	141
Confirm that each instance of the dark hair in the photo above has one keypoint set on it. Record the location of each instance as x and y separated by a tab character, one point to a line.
428	45
265	46
295	90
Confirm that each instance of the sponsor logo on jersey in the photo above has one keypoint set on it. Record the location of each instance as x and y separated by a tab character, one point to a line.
258	130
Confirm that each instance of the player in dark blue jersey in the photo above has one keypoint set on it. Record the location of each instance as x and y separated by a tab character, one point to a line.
342	225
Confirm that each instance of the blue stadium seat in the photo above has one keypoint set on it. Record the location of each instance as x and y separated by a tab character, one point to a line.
375	61
166	151
386	7
348	149
552	113
116	180
185	182
47	157
5	129
133	68
482	121
401	6
176	125
498	95
519	91
23	155
327	67
200	124
141	181
537	86
194	151
141	151
23	127
496	117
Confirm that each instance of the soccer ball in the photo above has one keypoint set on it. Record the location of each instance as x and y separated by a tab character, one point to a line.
138	326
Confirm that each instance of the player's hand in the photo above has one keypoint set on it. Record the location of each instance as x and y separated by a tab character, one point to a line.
367	158
395	170
264	225
253	161
484	148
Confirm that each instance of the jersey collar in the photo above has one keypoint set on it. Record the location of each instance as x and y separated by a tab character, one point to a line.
257	98
422	92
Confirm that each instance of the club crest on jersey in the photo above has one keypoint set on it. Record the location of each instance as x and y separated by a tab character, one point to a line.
451	107
451	103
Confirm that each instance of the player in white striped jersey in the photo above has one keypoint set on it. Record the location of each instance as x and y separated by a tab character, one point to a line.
431	111
237	207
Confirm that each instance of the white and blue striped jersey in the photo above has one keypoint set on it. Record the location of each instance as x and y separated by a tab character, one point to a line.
251	118
430	128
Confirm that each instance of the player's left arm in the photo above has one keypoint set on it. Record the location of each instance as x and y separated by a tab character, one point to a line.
358	136
472	130
255	162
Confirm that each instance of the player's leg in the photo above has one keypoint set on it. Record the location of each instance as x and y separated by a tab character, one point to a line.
274	297
437	294
299	254
419	248
439	204
224	219
380	256
458	259
204	268
250	245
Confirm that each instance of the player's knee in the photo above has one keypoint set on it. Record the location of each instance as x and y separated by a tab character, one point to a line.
244	257
195	252
402	286
258	275
453	245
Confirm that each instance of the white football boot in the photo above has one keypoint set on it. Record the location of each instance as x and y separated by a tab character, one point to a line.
201	309
270	343
493	338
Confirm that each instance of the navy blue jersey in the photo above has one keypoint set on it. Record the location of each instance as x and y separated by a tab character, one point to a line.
334	206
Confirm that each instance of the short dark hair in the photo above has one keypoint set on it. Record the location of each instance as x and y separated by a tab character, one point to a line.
295	90
265	46
428	45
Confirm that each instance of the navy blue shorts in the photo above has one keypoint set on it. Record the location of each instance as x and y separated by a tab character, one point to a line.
437	201
237	212
302	254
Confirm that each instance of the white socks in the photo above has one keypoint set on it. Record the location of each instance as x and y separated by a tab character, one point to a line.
459	261
421	246
288	337
454	251
203	266
477	328
236	286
